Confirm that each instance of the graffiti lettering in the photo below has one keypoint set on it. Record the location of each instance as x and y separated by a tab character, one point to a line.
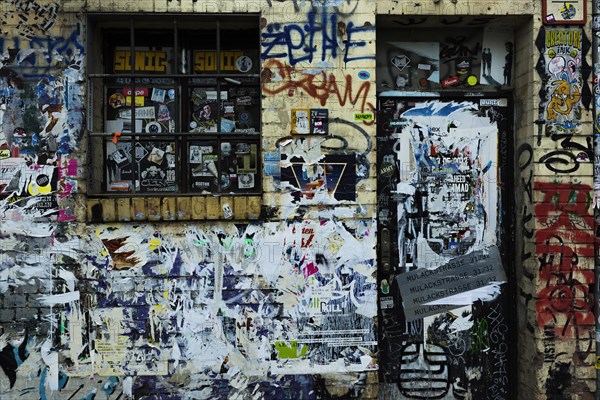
525	156
498	390
299	43
42	52
320	86
560	161
564	213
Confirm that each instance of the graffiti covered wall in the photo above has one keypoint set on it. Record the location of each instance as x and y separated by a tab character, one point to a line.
318	70
557	216
304	302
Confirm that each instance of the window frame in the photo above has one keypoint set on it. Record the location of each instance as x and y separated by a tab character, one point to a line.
183	79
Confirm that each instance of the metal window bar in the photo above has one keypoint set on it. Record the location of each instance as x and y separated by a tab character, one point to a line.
180	138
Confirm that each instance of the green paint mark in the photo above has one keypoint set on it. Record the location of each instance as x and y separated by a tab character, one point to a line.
228	244
248	247
290	349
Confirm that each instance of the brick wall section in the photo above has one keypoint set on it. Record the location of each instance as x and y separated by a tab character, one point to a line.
554	257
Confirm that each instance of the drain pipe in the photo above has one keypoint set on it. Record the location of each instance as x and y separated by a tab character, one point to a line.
596	133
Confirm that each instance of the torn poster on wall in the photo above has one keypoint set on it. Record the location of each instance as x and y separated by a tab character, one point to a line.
458	282
281	298
331	180
446	192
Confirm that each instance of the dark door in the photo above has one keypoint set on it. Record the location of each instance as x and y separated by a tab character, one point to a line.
445	302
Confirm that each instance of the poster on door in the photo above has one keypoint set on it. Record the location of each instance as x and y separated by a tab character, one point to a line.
442	279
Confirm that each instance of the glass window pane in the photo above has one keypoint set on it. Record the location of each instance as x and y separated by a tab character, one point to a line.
156	166
198	46
203	159
239	166
239	46
240	110
119	166
148	107
117	40
154	109
203	110
153	51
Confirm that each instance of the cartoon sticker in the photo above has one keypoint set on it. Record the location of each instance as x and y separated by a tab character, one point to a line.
116	100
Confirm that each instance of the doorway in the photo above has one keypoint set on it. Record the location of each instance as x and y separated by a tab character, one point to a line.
445	280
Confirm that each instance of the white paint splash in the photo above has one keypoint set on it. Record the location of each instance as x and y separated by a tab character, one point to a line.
50	357
52	300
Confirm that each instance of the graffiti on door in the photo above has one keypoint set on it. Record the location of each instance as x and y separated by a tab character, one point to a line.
443	305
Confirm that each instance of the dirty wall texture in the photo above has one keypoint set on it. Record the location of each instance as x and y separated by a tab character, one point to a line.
286	307
556	218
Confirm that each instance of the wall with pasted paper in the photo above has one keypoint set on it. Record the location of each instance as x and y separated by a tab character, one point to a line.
157	308
41	114
281	309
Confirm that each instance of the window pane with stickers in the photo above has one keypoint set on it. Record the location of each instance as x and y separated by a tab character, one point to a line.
175	104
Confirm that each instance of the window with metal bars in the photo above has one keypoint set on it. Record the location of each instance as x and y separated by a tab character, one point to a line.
174	104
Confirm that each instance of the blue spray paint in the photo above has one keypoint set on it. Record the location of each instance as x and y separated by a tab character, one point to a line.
298	43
